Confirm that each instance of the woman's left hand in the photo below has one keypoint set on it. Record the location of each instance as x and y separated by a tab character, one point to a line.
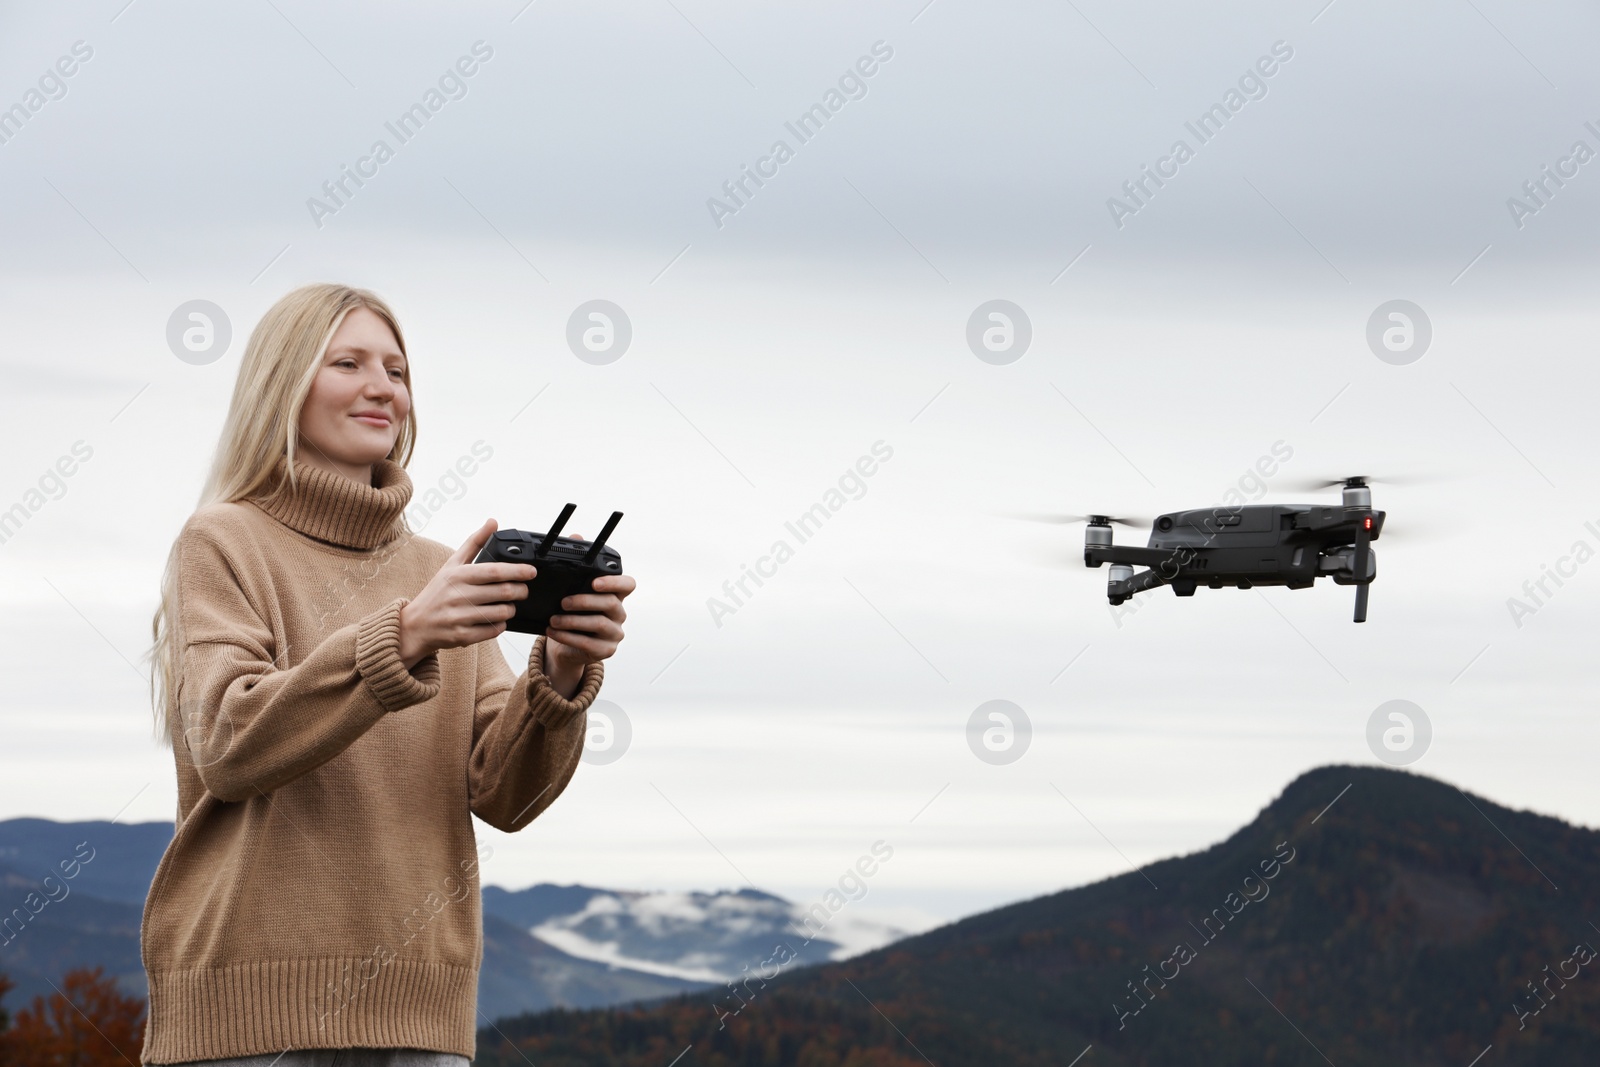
574	641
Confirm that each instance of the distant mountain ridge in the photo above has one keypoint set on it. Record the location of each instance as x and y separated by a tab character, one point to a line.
125	855
1365	916
544	946
698	937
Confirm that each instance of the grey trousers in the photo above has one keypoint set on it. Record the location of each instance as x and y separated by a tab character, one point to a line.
341	1057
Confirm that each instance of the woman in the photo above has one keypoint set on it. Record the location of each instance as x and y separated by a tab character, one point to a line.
338	710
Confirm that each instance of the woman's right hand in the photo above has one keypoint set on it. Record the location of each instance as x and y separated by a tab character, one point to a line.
464	603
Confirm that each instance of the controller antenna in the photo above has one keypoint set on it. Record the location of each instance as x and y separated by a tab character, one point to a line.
600	542
555	531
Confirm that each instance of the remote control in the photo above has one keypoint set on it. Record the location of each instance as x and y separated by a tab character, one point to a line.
566	566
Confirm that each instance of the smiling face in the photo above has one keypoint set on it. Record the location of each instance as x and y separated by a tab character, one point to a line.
358	399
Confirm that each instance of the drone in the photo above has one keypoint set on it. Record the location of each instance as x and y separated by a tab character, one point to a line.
1245	546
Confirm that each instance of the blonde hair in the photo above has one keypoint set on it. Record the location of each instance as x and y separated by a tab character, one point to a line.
280	362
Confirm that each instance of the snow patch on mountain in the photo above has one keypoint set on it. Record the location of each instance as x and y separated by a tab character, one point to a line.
707	937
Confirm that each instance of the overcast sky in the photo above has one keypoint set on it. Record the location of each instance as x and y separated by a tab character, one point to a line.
1177	337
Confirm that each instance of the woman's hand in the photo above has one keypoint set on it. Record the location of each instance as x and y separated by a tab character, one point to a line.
465	602
574	641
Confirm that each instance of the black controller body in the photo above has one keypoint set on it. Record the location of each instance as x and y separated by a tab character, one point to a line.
566	565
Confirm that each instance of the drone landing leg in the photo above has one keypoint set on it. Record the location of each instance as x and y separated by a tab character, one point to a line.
1138	583
1363	554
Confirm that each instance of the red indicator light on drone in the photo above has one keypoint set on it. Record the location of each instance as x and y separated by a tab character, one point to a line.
1368	522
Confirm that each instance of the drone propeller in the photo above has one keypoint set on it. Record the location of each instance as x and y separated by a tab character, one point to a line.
1059	519
1351	481
1057	559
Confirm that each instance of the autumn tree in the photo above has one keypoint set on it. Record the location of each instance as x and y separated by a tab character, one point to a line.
87	1022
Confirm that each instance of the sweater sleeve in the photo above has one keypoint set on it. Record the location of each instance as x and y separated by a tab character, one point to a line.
250	722
526	739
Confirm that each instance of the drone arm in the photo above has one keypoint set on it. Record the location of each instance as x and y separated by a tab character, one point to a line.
1148	579
1148	557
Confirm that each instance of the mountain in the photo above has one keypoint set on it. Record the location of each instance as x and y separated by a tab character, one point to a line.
519	969
698	937
87	881
1366	916
70	928
117	860
544	946
537	904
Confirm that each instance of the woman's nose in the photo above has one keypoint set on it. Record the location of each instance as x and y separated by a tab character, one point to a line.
380	386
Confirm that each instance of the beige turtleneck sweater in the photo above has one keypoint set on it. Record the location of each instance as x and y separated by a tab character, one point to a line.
321	889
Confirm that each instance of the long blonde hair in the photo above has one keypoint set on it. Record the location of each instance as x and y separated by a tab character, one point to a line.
280	362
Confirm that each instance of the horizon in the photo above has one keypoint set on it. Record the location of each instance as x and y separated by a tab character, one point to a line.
912	921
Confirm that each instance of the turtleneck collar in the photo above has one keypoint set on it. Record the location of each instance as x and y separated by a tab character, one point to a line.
333	508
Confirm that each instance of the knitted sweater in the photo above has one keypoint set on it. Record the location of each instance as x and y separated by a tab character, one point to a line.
321	889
